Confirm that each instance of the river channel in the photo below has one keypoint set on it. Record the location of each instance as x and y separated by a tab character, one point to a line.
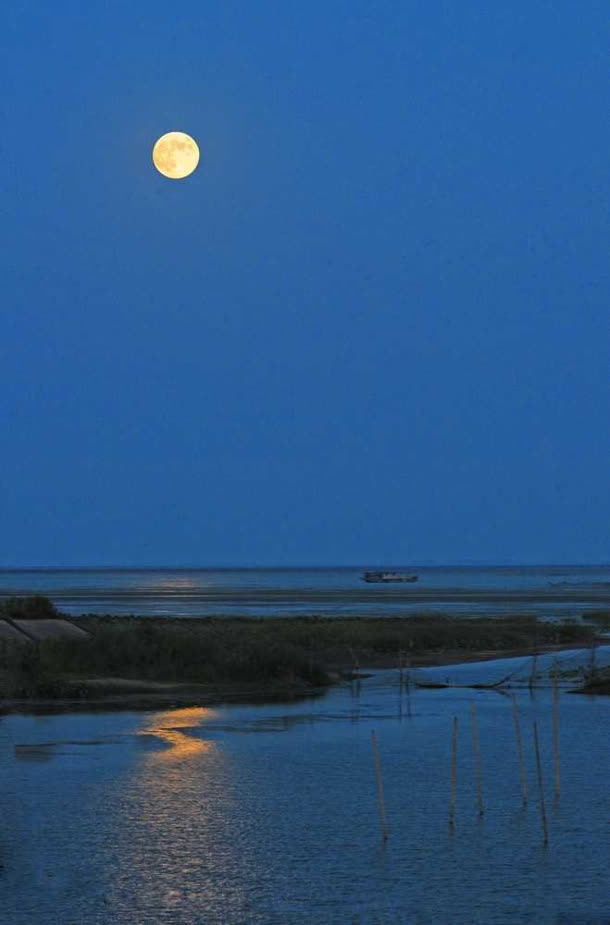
268	813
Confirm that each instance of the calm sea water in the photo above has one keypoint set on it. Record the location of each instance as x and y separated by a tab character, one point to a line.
268	814
545	590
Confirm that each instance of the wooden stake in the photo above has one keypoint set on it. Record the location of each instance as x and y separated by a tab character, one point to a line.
380	799
408	682
545	830
556	730
533	672
453	773
520	751
592	659
477	758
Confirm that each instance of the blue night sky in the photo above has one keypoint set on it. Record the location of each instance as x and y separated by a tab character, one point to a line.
372	327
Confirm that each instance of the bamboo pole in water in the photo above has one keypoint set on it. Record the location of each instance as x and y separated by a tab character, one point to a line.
380	800
477	758
592	659
408	683
556	730
453	773
400	683
532	679
520	751
545	830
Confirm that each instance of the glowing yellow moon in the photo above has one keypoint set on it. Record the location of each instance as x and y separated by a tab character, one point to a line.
175	155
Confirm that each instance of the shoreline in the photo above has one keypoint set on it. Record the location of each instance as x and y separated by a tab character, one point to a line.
51	661
118	694
457	657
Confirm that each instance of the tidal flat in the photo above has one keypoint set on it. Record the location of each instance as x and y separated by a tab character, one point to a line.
268	813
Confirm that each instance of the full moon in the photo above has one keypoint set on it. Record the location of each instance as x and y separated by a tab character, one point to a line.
175	155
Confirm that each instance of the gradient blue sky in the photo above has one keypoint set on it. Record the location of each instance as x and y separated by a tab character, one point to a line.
372	327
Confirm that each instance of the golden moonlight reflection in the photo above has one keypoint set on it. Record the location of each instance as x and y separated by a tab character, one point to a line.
168	727
177	849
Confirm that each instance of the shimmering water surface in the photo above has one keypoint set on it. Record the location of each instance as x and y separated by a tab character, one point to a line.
554	591
268	814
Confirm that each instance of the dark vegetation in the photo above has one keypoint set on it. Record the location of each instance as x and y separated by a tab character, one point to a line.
36	607
601	618
335	639
142	651
295	650
599	683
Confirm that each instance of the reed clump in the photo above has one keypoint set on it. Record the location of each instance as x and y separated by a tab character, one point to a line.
145	651
25	674
216	655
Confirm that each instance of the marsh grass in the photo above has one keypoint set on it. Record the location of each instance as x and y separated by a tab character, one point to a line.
152	653
601	618
337	642
295	650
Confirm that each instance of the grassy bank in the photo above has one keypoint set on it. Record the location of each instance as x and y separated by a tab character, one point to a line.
297	651
140	650
333	638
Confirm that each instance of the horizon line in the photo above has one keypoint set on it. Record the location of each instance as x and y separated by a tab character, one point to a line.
296	566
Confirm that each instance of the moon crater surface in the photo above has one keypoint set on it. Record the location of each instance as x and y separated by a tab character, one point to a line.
175	155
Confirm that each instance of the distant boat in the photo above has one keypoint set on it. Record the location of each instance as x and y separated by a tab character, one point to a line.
388	576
